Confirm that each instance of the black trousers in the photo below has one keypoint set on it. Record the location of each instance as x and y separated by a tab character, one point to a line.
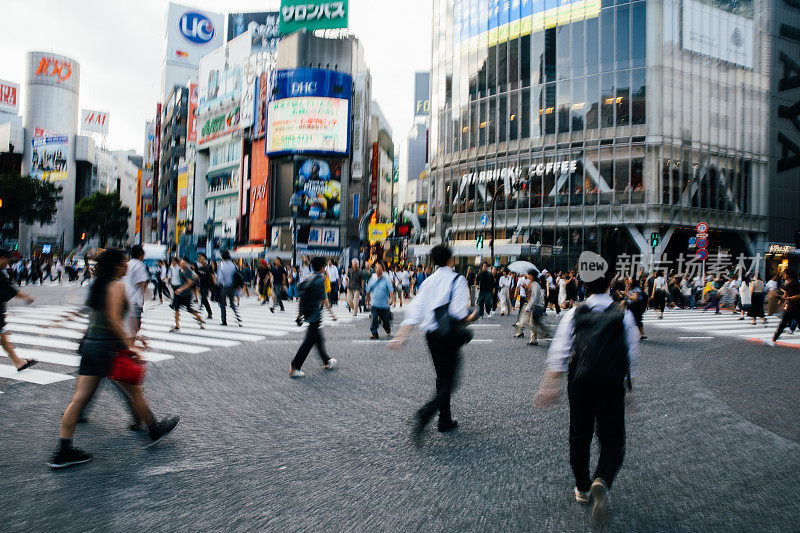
204	300
313	337
484	302
604	406
380	315
446	362
786	320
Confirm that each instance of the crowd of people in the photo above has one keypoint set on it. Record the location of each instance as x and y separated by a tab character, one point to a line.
602	321
33	270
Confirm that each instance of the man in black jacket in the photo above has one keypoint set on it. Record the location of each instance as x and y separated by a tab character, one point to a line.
486	283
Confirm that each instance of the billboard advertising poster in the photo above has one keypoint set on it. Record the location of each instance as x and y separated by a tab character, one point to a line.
359	126
309	111
312	15
49	157
94	121
191	120
317	188
263	28
221	75
191	34
9	97
716	33
259	192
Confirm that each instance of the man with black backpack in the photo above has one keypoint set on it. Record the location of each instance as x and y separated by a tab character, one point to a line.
312	298
597	344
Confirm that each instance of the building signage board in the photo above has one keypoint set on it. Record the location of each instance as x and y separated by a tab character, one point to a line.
259	192
261	26
191	120
191	34
730	38
94	121
359	126
221	75
309	111
325	236
374	175
312	15
49	157
379	232
317	188
781	249
9	97
422	89
219	124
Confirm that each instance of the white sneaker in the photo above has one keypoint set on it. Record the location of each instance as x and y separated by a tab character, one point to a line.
330	364
294	373
601	509
582	497
491	315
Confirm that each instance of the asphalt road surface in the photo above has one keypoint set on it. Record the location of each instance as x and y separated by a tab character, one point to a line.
713	442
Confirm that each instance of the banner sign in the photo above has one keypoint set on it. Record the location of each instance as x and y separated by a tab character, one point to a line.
191	34
219	125
312	15
360	119
191	120
49	157
94	121
9	97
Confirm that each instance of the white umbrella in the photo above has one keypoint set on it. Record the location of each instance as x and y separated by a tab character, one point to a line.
522	267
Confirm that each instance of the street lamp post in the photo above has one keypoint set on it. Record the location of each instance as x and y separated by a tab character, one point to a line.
495	196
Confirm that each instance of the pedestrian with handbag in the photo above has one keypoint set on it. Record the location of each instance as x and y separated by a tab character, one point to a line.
441	310
107	350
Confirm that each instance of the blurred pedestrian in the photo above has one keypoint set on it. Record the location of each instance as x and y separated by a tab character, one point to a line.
279	280
8	292
226	272
182	295
105	337
440	309
381	293
597	345
312	298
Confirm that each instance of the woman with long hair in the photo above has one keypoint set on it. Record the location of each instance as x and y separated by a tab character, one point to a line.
105	337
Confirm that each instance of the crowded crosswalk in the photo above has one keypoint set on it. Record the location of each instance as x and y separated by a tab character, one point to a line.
51	334
697	324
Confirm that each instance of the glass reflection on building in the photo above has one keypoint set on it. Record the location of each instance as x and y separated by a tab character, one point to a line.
608	115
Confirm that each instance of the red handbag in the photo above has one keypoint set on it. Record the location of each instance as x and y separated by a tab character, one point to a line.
125	369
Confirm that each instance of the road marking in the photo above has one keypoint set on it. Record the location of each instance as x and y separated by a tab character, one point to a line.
32	375
695	337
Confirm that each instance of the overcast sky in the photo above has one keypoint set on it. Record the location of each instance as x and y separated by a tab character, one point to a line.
119	45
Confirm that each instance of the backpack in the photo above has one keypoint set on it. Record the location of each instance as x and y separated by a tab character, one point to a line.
599	352
307	305
238	279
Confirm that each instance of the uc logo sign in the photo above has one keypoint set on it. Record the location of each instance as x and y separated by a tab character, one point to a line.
196	27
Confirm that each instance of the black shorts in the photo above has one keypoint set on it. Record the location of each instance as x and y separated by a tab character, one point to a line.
183	299
2	322
96	356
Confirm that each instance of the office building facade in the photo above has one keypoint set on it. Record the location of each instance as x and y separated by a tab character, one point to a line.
597	123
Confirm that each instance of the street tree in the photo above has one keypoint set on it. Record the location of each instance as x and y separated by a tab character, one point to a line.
102	215
28	200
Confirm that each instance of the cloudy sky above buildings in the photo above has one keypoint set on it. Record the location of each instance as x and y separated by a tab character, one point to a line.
120	46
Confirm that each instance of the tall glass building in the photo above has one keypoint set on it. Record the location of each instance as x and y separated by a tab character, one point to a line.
591	119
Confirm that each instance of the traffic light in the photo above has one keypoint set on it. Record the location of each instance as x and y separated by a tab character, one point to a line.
83	236
654	238
479	242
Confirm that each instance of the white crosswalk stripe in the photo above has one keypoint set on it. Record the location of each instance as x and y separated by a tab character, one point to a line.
51	333
724	324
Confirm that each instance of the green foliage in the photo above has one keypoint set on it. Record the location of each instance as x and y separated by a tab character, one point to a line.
28	199
102	215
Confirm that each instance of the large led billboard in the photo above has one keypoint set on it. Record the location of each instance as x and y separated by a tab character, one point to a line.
309	111
498	21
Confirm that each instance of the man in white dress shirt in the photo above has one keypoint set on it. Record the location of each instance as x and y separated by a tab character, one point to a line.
444	287
606	350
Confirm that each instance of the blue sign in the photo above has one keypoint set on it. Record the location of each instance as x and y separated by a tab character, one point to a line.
196	27
692	241
46	248
702	243
299	82
484	219
355	206
702	254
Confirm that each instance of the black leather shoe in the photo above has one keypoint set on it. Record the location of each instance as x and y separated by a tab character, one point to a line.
444	427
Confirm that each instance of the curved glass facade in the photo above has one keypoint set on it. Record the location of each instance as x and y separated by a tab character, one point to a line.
571	116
